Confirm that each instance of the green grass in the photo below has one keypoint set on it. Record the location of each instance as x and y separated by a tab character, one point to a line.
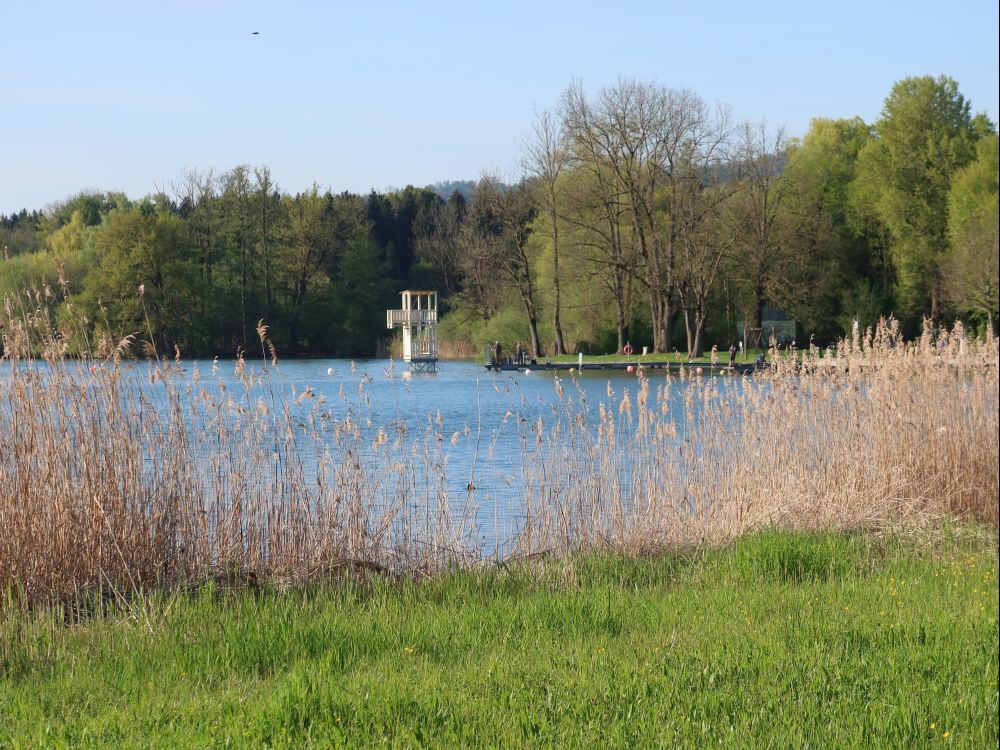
782	640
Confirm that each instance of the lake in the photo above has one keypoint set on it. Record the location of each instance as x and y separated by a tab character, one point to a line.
491	449
484	425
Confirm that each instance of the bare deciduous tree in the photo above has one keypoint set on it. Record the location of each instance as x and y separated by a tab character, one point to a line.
443	246
502	216
546	158
659	143
756	210
480	269
705	242
596	211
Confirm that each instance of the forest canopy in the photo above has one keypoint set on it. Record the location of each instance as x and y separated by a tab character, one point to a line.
644	215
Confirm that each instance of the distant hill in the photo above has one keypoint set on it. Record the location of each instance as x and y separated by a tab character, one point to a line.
445	189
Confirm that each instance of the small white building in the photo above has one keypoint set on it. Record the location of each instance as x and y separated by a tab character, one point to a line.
418	319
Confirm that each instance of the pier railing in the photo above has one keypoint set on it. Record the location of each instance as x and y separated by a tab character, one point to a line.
394	318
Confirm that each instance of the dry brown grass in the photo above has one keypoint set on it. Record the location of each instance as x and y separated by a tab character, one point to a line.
118	475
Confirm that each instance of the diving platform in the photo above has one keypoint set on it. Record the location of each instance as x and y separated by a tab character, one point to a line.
417	318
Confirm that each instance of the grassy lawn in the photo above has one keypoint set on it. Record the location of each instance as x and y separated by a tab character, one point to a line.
782	640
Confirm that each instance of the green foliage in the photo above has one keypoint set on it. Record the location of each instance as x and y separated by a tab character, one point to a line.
151	251
506	325
397	220
851	222
845	274
863	303
783	639
972	267
20	232
318	268
72	237
360	299
925	135
92	207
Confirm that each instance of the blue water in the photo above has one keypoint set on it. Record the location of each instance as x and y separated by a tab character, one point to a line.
461	397
493	413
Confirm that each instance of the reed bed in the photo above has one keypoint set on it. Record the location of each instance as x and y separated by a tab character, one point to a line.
874	433
447	349
119	475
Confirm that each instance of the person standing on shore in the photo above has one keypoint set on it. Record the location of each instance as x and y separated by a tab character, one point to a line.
732	354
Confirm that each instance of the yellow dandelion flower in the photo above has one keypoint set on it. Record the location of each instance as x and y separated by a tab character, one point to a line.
933	724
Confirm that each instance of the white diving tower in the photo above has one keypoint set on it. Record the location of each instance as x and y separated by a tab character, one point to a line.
419	321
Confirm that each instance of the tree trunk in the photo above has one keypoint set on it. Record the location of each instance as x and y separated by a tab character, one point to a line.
528	297
293	324
657	310
560	344
758	306
700	315
668	334
536	344
694	326
243	293
689	333
620	324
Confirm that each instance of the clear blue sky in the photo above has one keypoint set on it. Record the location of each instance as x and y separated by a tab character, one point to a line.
127	95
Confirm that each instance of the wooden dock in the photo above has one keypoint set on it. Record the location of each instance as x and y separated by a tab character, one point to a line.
692	367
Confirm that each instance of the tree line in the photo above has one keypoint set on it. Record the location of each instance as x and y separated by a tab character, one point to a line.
644	215
223	253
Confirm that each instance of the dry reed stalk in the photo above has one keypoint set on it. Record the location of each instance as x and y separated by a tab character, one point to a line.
123	475
875	433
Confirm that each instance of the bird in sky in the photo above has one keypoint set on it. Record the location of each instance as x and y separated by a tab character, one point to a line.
255	33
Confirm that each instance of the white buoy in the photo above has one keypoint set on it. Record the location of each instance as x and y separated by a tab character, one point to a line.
527	371
630	369
329	371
